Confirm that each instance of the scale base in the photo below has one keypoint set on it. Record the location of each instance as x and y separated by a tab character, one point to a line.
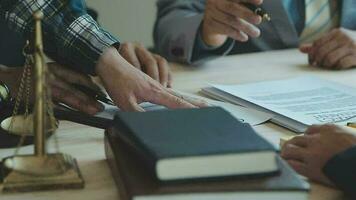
33	173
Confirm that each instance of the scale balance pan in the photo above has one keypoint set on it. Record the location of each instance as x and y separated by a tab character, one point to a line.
21	126
8	140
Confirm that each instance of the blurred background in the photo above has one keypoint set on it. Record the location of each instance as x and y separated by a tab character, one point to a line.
129	20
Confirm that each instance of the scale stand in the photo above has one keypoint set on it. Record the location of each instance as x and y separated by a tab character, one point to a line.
40	171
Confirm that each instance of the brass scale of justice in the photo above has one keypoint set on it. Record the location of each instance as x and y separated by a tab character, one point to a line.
41	170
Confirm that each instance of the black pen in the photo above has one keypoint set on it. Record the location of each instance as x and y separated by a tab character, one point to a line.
258	11
100	96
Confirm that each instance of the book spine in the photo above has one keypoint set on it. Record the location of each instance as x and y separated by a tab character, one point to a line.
111	157
148	157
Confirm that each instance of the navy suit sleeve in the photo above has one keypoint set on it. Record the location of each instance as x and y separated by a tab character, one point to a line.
341	169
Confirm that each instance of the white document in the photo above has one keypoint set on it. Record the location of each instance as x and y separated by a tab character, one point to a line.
109	111
246	115
308	100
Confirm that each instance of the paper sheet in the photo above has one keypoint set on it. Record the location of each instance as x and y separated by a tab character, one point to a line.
246	115
309	100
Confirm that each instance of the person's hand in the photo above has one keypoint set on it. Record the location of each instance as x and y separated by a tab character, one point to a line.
128	86
61	82
152	64
334	50
309	153
229	18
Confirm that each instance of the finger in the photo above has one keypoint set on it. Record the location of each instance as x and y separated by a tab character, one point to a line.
298	166
314	129
72	100
325	38
133	106
316	46
239	24
64	93
164	70
228	30
170	101
72	77
321	54
127	51
300	141
148	62
347	62
293	152
247	28
239	11
195	101
333	58
306	48
322	51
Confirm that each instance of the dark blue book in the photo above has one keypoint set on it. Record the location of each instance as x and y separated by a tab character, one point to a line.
195	143
135	182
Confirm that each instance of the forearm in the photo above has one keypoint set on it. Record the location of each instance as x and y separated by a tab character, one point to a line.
71	37
341	169
176	28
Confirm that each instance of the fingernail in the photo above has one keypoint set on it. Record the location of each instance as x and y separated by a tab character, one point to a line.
243	38
256	32
256	20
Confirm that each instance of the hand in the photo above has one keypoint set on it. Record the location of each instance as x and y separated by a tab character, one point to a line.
60	81
308	154
128	86
229	18
152	64
335	50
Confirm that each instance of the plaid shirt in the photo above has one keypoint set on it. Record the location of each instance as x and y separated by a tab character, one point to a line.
71	37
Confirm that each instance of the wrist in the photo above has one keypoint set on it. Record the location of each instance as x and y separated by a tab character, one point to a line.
110	58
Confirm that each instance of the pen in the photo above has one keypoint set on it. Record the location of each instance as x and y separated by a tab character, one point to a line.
351	124
258	11
100	96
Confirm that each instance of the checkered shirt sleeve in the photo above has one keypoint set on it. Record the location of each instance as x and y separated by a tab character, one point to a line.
71	37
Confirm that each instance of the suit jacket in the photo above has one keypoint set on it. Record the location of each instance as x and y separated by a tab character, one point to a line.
341	170
178	23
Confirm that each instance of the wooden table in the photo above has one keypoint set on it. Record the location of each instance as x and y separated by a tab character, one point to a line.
86	144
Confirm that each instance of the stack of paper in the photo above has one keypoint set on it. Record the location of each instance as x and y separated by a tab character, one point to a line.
295	103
